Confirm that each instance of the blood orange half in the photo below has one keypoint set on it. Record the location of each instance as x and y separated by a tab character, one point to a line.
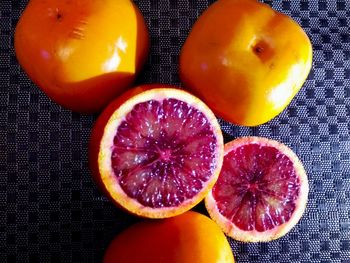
156	151
261	192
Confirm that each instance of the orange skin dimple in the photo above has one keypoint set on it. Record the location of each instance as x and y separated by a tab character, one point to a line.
82	54
245	60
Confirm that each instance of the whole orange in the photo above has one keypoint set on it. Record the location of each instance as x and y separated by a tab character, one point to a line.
245	60
82	53
188	238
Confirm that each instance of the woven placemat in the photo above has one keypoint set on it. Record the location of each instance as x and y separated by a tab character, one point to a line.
51	211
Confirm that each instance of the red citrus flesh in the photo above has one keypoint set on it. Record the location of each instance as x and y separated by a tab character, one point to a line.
159	153
261	192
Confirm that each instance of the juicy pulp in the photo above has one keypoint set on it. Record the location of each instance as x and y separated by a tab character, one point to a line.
164	152
257	188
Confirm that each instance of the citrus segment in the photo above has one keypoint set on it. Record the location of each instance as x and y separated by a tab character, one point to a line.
159	152
261	192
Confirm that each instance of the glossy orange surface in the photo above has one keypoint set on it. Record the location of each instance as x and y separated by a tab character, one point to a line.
82	53
187	238
245	60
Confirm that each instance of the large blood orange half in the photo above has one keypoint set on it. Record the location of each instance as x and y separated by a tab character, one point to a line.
187	238
156	151
261	192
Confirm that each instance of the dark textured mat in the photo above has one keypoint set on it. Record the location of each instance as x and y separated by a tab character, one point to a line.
51	211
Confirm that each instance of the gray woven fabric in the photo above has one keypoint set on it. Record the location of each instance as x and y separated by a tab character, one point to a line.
51	211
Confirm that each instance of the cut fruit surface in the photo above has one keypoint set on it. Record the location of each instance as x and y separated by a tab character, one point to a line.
156	153
261	192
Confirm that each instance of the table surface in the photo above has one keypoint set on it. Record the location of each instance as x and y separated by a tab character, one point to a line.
51	211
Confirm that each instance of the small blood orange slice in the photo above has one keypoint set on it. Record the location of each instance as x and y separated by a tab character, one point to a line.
156	151
261	192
